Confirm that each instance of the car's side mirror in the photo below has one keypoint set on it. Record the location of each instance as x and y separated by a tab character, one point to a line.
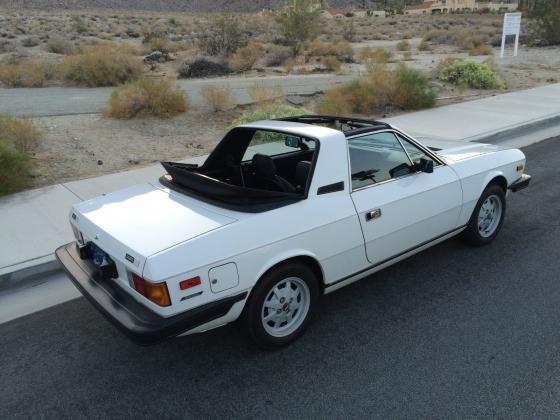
425	165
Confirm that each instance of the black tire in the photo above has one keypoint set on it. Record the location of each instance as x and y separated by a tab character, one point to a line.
472	234
253	312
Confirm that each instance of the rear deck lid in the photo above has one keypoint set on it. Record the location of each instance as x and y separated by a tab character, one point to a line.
144	220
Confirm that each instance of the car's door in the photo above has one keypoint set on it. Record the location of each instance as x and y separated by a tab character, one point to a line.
399	207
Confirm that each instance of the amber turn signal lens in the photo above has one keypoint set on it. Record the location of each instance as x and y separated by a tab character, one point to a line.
156	292
520	168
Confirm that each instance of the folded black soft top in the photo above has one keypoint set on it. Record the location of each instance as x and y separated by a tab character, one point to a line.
187	179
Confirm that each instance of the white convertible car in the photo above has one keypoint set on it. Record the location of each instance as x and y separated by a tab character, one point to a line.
281	212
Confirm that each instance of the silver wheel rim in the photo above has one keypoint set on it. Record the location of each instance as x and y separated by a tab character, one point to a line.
489	216
285	307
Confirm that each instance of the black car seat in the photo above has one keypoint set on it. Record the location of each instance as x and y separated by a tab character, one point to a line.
303	169
266	173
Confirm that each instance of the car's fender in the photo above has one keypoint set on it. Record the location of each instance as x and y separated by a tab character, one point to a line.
491	176
284	256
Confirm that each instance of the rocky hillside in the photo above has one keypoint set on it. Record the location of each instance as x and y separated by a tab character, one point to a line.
161	5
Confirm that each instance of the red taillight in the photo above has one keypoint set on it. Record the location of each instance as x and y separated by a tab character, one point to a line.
187	284
156	292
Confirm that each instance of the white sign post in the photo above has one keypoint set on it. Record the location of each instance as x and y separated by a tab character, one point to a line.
512	26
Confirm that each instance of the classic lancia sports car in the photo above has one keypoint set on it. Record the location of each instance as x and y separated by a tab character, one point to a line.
281	212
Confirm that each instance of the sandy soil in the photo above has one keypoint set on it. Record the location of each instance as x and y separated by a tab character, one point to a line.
83	146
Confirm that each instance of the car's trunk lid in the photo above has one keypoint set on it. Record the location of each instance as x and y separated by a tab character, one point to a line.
142	220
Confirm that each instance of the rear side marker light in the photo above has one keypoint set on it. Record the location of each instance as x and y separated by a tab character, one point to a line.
520	168
156	292
187	284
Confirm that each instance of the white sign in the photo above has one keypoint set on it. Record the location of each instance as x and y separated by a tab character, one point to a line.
512	26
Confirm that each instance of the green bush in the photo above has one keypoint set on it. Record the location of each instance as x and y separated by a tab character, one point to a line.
473	74
14	169
267	112
298	21
412	90
546	14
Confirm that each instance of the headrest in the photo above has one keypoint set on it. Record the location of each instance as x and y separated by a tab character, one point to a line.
264	166
303	168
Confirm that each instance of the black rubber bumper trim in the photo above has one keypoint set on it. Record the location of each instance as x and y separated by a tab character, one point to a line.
139	323
521	183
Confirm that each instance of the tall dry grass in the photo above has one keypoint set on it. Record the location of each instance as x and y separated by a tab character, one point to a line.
147	97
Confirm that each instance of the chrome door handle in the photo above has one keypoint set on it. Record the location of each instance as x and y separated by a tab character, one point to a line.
373	214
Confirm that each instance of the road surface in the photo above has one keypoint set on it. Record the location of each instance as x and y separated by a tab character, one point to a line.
452	332
55	101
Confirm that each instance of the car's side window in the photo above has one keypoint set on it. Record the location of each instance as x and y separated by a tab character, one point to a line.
414	152
377	157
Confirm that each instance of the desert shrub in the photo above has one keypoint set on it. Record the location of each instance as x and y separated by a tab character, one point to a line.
31	41
217	98
462	38
244	58
348	31
481	50
58	45
335	101
341	50
412	90
403	46
298	21
473	74
424	46
221	36
267	112
156	43
14	169
546	14
376	55
101	65
259	92
407	56
331	63
80	26
203	67
288	64
26	73
6	46
146	97
19	133
380	89
275	55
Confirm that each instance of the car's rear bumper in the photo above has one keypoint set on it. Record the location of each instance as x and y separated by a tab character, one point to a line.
521	183
139	323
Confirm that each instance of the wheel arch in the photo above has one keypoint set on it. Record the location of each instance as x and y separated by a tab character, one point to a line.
302	256
495	177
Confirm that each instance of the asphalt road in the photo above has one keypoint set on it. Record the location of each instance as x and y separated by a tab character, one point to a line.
56	101
452	332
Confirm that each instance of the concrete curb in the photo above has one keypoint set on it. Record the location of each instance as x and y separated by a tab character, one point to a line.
29	272
517	130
